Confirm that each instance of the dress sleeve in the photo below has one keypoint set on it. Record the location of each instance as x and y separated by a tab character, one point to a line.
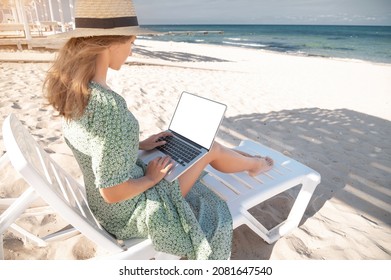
114	141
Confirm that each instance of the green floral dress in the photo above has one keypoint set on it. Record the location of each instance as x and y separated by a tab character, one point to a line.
105	144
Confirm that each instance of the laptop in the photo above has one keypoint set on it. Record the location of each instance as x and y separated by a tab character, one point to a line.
194	126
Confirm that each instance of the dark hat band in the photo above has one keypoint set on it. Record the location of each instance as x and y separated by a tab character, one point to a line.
106	23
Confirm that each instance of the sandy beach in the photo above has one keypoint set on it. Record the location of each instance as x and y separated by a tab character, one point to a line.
333	115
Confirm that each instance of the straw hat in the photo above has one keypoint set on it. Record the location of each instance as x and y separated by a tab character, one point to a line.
104	17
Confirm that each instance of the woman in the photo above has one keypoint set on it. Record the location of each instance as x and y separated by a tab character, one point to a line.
128	198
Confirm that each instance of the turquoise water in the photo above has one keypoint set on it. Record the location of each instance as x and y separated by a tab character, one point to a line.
371	43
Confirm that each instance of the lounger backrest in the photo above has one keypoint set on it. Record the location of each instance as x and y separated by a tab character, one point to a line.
59	189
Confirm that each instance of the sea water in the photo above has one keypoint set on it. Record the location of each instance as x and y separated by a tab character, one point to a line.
370	43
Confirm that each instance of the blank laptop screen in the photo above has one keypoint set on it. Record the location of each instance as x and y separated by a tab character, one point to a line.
197	119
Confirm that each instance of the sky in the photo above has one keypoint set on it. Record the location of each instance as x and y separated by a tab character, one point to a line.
344	12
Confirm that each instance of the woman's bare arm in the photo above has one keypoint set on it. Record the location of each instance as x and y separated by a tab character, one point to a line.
156	170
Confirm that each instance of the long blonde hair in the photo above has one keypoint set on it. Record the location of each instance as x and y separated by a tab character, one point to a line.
66	84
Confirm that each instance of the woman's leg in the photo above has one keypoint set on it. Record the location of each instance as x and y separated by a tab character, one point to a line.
225	160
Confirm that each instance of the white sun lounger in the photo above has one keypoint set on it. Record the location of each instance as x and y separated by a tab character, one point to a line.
66	196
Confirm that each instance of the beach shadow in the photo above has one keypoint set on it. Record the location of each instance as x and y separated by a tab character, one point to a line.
350	150
175	56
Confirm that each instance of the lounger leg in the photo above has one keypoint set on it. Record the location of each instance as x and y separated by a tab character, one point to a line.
308	186
13	212
8	217
4	160
1	247
255	226
302	200
24	234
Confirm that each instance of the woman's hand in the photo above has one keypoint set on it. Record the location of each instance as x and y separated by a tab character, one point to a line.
153	141
158	168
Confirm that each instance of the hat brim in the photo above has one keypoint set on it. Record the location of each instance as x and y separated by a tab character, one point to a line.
91	32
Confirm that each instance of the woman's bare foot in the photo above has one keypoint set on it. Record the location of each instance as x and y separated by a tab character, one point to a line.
264	164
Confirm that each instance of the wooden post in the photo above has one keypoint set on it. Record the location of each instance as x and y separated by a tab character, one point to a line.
22	12
61	15
51	10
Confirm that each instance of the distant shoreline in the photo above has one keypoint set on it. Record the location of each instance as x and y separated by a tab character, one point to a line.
44	51
357	42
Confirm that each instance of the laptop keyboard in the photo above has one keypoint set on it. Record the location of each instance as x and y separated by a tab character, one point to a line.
178	150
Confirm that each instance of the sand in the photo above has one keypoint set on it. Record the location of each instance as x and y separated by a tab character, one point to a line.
333	115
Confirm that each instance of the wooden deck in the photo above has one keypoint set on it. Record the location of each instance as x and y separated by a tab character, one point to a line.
34	43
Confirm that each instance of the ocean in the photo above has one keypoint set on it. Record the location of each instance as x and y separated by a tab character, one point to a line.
370	43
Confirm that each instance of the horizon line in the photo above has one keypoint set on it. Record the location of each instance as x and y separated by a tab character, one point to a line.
294	24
